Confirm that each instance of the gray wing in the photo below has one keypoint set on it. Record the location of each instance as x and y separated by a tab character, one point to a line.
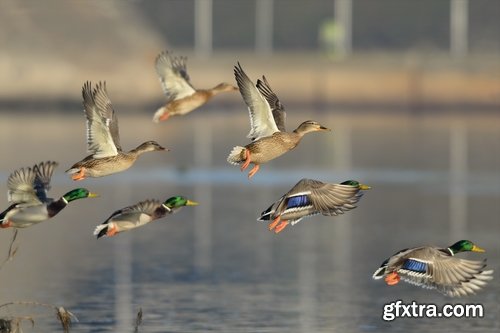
102	126
429	267
173	76
43	173
277	108
105	108
262	122
21	187
145	207
329	199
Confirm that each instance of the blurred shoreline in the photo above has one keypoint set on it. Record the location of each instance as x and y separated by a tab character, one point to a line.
47	55
378	80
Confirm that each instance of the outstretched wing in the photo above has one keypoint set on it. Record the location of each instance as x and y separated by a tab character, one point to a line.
43	173
173	76
450	275
148	207
262	122
324	198
102	125
277	108
21	187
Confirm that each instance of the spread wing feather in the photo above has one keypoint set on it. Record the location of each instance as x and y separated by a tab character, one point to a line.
277	108
173	76
20	187
262	122
41	184
147	207
331	199
102	125
449	275
309	197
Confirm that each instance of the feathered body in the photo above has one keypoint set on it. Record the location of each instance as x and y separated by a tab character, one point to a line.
28	199
182	97
267	125
104	166
311	197
137	215
270	147
437	268
103	140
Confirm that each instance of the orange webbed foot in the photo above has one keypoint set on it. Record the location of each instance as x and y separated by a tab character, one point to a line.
164	116
6	224
392	278
275	222
80	175
247	160
111	231
253	171
281	226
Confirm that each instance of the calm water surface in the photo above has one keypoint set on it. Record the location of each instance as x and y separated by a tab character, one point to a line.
215	268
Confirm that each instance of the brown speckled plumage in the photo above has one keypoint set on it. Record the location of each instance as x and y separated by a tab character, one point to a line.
103	139
182	97
267	128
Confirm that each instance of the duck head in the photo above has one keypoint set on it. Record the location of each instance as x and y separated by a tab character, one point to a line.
357	184
79	193
310	126
465	246
223	87
151	146
177	202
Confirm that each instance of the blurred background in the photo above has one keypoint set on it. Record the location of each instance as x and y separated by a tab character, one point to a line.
411	90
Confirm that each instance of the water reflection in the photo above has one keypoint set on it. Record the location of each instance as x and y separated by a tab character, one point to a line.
122	260
203	190
458	180
214	267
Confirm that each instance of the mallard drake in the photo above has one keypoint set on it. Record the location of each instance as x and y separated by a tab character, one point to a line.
27	195
182	97
103	139
137	215
311	197
267	123
437	268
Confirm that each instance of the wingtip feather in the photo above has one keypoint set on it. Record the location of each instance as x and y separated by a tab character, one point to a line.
234	157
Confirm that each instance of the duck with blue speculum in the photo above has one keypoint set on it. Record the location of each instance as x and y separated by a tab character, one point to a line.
140	214
27	195
311	197
267	125
437	268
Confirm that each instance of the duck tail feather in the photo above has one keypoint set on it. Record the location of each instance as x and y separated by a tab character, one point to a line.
101	230
236	155
266	215
158	114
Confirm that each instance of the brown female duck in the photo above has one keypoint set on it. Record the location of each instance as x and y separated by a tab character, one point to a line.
103	139
267	122
182	97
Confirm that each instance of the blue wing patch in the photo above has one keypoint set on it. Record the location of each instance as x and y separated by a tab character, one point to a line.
415	266
298	201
